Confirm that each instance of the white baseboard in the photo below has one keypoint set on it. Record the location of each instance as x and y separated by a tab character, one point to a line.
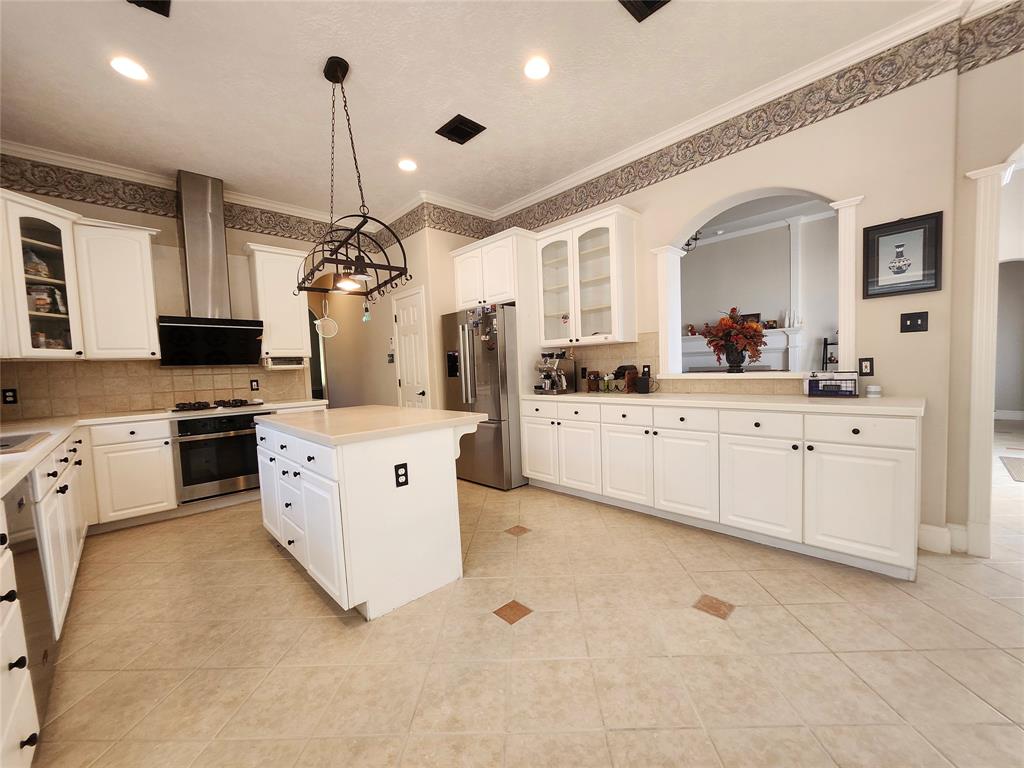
935	538
957	537
1010	415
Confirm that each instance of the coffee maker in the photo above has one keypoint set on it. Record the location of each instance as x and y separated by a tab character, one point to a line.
557	374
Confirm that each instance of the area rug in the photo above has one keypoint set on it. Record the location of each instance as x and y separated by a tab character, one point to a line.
1015	466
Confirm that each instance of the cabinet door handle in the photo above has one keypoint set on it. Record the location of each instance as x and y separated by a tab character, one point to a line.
552	423
647	431
855	431
78	462
757	424
311	458
287	505
152	354
283	447
63	489
78	442
64	460
79	353
52	474
290	542
810	447
284	472
536	410
9	596
296	474
131	432
272	459
33	738
558	423
623	415
3	539
655	432
796	447
682	418
262	438
72	450
575	413
19	663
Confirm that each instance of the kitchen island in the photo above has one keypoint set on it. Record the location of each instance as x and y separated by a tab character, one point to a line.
365	499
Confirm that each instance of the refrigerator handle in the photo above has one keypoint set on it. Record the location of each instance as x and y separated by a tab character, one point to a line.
465	365
468	366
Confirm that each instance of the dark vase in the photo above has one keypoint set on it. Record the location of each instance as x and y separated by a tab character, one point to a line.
734	357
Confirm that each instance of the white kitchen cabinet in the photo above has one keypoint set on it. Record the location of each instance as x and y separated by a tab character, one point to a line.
53	548
579	455
761	486
134	479
284	315
269	497
43	271
83	464
540	449
325	551
118	300
627	463
686	473
861	500
469	279
486	273
19	736
587	282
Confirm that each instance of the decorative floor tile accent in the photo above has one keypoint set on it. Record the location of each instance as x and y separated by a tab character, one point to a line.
517	530
713	606
512	611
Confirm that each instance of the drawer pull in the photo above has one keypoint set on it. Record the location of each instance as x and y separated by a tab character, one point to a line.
284	472
552	423
311	458
63	489
3	539
33	738
757	424
72	450
9	596
19	663
855	431
283	447
682	418
296	474
290	542
52	474
655	432
623	415
131	432
78	462
78	442
796	447
272	459
647	431
64	460
558	423
575	413
287	505
810	447
262	438
536	410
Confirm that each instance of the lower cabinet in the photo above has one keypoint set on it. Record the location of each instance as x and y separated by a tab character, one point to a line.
269	502
686	473
321	505
861	501
19	735
540	449
134	479
53	549
627	463
761	486
579	455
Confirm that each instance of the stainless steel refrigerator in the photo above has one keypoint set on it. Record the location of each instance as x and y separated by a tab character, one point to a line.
481	374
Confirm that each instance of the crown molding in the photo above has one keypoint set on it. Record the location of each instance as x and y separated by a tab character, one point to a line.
973	9
445	201
901	32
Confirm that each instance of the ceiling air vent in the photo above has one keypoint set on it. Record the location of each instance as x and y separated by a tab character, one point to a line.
641	9
163	7
460	129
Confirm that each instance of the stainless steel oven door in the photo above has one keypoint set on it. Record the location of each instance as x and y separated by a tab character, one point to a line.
213	465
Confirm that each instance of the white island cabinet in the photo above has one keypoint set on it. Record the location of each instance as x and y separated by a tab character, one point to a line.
365	499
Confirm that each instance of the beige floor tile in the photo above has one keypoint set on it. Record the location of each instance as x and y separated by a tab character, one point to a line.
185	645
874	746
917	689
70	686
770	748
770	629
489	564
662	749
474	636
921	627
549	635
266	753
931	585
557	750
466	697
200	706
546	593
287	704
257	643
353	752
663	591
825	692
689	632
1015	604
643	693
858	586
843	627
542	563
68	754
608	592
996	623
446	751
622	633
400	637
985	580
734	692
979	746
333	640
795	587
734	587
995	676
109	711
552	696
481	595
150	754
377	699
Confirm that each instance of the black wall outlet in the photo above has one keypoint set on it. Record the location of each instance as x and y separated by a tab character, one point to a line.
10	397
913	322
401	475
254	385
866	366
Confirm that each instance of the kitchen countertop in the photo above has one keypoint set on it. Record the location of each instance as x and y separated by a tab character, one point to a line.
338	426
861	406
15	466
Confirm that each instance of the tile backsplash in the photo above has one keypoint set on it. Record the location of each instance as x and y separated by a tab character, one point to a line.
73	388
644	351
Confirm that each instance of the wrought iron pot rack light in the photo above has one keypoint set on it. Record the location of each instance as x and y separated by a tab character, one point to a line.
357	258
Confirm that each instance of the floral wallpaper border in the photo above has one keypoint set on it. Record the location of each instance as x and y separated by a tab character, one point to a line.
953	46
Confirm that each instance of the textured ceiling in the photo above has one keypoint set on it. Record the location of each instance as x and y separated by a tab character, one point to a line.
236	89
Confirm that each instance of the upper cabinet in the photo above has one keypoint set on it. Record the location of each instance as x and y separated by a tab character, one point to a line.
486	273
115	278
469	280
285	316
587	283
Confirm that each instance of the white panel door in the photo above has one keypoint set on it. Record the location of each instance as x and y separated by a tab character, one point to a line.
540	449
686	473
627	460
762	485
284	315
325	551
411	349
861	501
499	272
469	282
269	502
53	551
134	479
115	278
579	455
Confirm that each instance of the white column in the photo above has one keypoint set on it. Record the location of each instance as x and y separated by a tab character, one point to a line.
670	309
988	186
847	288
795	362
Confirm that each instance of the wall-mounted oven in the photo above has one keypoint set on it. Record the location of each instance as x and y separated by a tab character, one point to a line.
215	455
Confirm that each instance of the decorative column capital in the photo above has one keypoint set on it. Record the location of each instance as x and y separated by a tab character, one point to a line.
668	250
992	170
840	204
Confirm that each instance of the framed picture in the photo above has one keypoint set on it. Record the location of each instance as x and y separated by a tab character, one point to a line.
903	256
752	317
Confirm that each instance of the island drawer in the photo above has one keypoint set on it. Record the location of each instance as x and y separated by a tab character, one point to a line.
45	475
288	472
762	424
311	456
579	411
545	409
290	499
294	540
696	419
130	432
6	581
861	430
627	414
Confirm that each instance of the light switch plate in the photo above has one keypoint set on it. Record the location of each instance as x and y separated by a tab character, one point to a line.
10	396
913	322
866	366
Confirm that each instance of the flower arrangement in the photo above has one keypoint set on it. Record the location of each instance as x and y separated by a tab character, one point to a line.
733	336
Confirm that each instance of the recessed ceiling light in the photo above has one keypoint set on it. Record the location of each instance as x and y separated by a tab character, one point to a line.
407	165
130	69
537	68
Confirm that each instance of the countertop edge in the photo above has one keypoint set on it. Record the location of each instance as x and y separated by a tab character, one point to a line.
320	438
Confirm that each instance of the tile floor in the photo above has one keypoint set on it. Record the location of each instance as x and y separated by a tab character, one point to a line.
194	642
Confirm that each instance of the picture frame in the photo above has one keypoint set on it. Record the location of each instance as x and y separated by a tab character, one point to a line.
903	256
750	317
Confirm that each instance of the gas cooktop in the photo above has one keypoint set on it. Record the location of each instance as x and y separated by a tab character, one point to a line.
203	405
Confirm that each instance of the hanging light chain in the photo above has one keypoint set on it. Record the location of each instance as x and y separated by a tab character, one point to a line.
355	160
334	98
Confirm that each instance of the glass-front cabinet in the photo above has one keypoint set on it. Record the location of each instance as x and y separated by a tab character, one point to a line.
587	283
44	283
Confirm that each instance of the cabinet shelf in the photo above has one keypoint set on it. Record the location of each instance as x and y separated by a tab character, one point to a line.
48	315
596	308
591	251
39	279
553	288
592	280
556	314
42	244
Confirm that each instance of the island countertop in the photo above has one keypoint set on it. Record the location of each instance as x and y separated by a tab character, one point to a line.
339	426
